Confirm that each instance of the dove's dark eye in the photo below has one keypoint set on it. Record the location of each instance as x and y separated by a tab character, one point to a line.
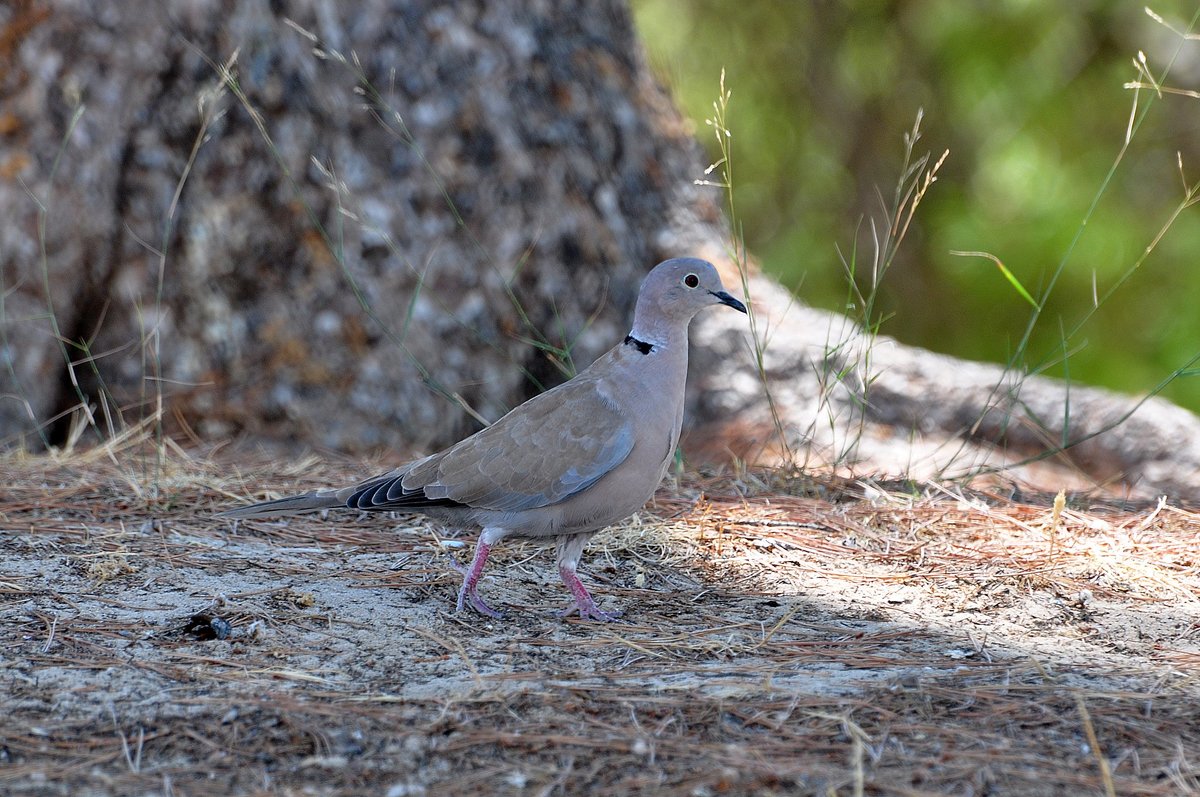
691	280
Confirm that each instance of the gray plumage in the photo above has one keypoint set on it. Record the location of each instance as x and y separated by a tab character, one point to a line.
566	463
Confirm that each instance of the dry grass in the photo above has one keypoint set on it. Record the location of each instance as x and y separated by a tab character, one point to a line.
780	638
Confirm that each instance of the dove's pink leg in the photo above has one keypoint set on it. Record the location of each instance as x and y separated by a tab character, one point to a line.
466	593
584	603
570	548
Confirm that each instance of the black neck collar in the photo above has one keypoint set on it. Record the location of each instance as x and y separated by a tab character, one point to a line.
641	345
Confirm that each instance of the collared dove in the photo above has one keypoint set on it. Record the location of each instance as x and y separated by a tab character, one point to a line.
566	463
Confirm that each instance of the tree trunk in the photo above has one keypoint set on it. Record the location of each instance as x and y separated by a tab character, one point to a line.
316	280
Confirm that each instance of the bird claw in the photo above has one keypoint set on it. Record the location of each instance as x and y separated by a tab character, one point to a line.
588	610
470	597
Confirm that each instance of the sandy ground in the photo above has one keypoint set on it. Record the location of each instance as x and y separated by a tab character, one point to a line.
778	637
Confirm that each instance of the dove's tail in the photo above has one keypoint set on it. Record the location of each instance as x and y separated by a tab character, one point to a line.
295	505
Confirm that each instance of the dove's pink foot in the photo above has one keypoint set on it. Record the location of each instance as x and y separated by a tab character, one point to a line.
584	604
466	593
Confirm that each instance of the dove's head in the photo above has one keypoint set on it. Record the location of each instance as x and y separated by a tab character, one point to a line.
672	293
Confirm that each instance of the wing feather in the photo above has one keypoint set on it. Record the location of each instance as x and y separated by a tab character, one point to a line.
549	448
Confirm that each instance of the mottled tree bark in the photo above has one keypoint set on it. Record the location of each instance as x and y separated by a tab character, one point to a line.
391	219
537	125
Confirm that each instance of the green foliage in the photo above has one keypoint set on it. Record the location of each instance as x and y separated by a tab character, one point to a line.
1030	99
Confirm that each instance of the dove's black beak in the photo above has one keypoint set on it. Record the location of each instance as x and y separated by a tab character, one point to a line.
725	298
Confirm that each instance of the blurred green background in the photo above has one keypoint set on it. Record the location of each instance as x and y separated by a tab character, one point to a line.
1029	98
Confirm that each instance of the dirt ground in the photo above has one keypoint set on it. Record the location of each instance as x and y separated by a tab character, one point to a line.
779	637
